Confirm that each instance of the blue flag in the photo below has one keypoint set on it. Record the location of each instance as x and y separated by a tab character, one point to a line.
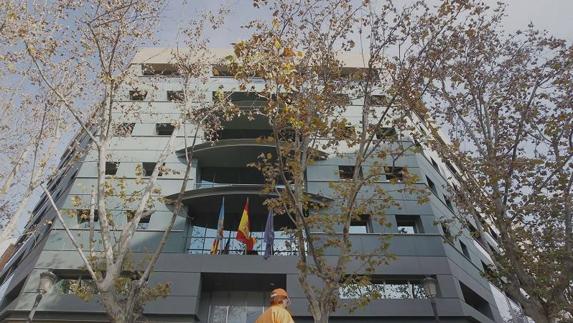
269	236
220	228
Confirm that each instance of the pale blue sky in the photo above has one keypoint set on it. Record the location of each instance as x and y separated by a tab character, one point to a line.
556	16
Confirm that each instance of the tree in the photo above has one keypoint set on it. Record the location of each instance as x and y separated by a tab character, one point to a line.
79	55
506	100
308	86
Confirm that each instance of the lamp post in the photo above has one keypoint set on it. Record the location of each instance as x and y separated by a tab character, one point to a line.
431	288
47	281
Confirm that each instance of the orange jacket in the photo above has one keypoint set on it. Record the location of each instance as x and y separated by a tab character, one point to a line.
275	314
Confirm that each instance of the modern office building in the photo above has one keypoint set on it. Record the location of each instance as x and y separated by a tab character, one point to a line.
233	287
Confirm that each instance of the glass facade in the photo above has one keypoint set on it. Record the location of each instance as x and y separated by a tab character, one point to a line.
201	239
385	289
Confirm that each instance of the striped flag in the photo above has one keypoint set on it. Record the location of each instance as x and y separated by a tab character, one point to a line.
244	231
220	228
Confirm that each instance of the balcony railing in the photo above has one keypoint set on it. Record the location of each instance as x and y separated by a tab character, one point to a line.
202	238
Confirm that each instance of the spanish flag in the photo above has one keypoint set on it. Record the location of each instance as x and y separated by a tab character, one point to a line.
244	233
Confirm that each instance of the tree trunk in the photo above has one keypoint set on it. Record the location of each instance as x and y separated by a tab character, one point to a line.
323	314
323	318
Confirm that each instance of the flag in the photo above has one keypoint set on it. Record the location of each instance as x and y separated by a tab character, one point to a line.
269	236
227	245
220	228
244	231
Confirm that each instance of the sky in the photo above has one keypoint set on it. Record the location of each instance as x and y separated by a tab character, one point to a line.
555	16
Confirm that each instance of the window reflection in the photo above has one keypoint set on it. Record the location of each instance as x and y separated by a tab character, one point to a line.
385	289
202	239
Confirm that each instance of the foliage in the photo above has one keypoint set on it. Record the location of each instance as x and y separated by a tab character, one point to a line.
304	57
506	100
77	55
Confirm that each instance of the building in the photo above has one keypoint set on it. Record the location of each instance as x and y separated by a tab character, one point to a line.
235	287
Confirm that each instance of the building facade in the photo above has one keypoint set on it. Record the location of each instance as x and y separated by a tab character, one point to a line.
233	287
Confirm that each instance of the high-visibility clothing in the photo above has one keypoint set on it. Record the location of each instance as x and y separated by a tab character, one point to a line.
275	314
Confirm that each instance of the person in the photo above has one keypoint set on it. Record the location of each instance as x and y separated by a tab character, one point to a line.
277	312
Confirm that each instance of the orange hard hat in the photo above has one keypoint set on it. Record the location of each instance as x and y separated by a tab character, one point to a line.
279	292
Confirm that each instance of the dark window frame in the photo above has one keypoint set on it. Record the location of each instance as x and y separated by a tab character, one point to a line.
111	168
148	168
362	221
385	133
465	250
83	216
124	129
175	96
410	221
164	129
137	95
432	186
347	172
395	172
448	203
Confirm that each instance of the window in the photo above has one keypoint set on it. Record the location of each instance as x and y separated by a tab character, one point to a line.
408	224
175	96
386	133
493	234
493	249
341	99
221	71
474	232
394	173
143	222
431	185
474	300
137	95
149	167
347	172
164	129
83	216
447	233
361	224
81	285
384	289
451	168
465	250
124	129
487	269
202	240
448	203
377	100
160	69
111	168
435	164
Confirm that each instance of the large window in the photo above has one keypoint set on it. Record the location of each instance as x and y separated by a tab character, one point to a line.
408	224
137	95
111	168
361	224
347	171
202	238
385	289
164	129
83	216
431	185
394	173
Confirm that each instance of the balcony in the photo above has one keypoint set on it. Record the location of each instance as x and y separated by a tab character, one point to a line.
203	205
